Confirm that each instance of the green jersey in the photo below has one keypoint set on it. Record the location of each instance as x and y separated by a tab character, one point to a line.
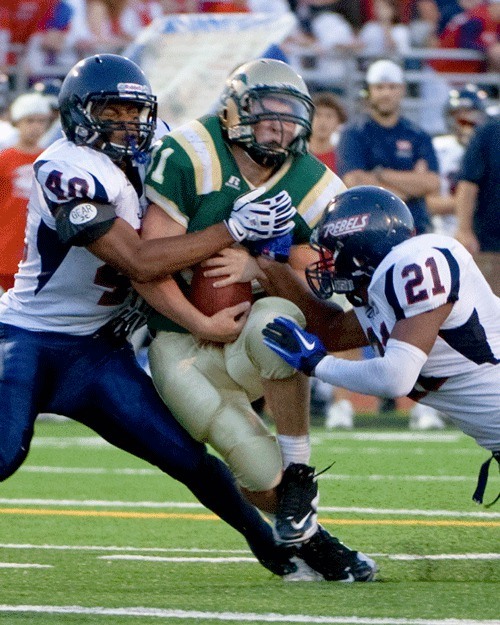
195	179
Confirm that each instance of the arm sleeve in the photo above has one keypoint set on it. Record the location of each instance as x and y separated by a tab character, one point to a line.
393	375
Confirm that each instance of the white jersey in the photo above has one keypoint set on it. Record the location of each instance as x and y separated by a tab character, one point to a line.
461	376
60	286
449	154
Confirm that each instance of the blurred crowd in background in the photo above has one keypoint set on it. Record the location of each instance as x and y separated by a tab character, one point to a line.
458	91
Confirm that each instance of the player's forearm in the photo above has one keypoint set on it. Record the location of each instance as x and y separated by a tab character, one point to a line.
158	258
466	196
167	299
339	331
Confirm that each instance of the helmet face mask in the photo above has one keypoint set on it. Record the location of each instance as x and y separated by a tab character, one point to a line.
358	229
261	91
97	83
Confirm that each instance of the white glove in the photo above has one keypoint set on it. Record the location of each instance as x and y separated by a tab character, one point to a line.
254	221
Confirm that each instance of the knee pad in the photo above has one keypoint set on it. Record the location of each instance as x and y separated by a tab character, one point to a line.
256	463
243	440
268	363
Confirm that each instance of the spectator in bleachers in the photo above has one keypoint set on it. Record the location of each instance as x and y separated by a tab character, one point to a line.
475	28
438	11
478	201
466	109
493	50
80	36
324	37
107	24
424	23
386	34
329	116
49	48
351	10
30	113
19	19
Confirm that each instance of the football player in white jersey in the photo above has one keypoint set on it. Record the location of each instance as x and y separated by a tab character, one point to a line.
420	301
63	326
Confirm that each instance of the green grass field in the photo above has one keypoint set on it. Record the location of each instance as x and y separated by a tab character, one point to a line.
90	534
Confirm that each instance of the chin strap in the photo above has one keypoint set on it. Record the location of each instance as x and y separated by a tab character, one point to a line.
265	159
483	479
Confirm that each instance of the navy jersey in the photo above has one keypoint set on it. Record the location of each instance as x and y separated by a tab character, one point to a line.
365	144
481	165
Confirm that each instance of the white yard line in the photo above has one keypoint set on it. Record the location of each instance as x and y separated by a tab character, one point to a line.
90	470
402	437
70	441
197	560
327	476
216	554
233	559
18	565
116	548
100	503
235	616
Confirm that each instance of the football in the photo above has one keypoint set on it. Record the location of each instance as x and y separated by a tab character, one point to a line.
209	300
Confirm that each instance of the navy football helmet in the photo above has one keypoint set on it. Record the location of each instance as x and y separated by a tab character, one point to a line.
357	230
468	98
465	110
96	82
245	101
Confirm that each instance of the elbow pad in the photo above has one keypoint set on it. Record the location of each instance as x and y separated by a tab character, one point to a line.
82	222
393	375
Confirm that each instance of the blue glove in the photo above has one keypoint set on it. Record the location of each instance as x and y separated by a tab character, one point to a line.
298	348
277	248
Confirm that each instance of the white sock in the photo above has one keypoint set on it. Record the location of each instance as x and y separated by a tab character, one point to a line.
296	449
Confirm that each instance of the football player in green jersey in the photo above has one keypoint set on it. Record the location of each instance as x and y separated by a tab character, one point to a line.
211	369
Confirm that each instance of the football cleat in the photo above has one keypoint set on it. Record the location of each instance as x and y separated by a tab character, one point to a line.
326	555
304	573
297	518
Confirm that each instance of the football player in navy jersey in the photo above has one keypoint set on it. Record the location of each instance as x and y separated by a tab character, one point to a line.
420	301
64	324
